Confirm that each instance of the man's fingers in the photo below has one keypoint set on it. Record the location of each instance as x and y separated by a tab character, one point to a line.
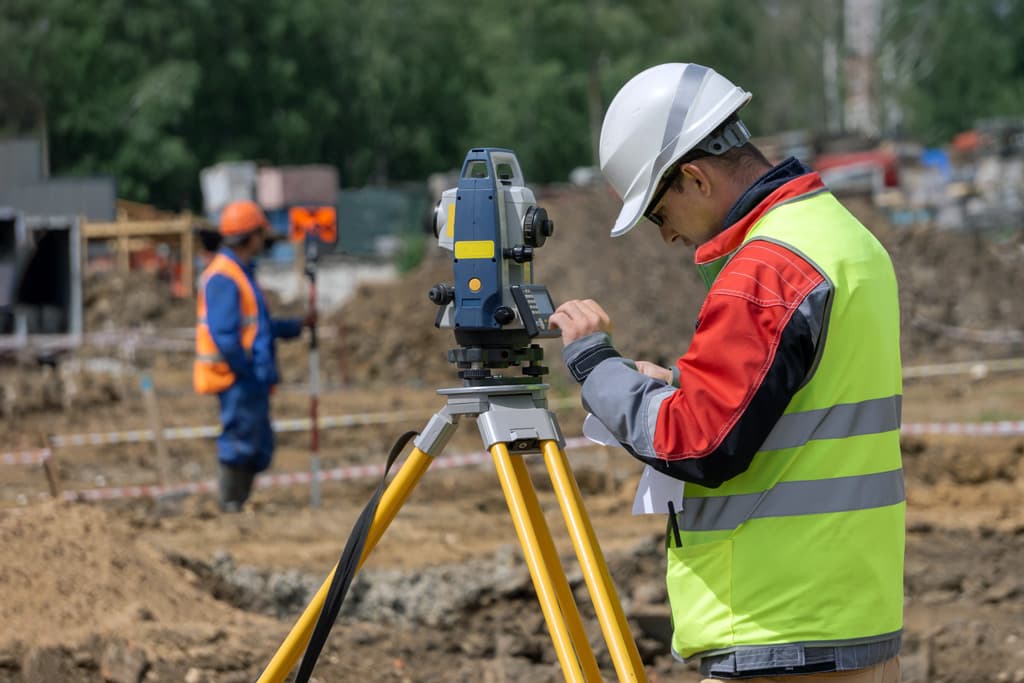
593	306
583	308
578	318
596	313
570	311
656	371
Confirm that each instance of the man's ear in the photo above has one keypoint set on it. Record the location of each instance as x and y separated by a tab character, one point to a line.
699	177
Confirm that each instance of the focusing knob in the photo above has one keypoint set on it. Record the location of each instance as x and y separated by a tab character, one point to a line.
503	315
537	227
442	294
519	253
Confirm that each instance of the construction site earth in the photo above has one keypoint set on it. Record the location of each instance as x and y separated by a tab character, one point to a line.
166	588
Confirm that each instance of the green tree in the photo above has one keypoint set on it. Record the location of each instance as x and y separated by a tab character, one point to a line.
392	90
950	62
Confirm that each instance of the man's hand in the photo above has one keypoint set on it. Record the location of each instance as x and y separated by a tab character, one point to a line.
578	318
309	320
656	371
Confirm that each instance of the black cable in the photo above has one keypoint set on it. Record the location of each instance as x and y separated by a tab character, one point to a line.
346	569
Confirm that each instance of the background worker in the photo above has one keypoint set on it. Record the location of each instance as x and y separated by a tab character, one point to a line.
782	417
235	354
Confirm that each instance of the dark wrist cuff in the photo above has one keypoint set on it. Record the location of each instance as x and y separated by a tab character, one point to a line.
584	363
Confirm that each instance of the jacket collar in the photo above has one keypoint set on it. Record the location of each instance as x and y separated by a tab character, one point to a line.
789	180
775	178
784	182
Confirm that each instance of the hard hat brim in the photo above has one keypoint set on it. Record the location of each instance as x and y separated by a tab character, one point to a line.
631	212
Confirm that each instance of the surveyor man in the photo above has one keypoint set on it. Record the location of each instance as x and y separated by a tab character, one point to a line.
235	354
781	418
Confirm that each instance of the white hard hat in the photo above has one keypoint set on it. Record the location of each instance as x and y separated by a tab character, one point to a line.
658	116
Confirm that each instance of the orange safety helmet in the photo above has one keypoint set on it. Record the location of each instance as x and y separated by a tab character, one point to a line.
241	217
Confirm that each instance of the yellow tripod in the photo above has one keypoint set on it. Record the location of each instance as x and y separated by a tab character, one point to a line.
514	420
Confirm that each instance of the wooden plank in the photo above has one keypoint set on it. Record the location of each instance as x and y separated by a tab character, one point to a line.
188	257
136	228
123	255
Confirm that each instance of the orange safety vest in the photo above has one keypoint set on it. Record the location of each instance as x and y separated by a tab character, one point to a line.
210	372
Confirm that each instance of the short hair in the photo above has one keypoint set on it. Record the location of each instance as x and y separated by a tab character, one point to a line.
746	155
745	159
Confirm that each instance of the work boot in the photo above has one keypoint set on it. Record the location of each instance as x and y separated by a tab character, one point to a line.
234	487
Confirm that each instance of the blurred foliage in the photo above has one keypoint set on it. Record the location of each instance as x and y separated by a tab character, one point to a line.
952	62
391	90
412	249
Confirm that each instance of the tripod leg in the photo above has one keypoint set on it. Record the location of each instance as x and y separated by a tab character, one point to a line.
549	553
394	497
532	551
616	631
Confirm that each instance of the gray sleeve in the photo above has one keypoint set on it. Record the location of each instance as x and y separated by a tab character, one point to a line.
625	400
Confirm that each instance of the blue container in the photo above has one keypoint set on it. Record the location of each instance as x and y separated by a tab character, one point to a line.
281	251
278	219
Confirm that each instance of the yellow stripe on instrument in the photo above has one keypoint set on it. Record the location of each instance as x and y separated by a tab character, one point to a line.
471	249
450	228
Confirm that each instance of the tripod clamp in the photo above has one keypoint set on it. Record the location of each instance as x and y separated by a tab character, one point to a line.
475	363
513	414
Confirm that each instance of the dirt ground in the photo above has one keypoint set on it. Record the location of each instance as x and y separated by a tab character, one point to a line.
171	590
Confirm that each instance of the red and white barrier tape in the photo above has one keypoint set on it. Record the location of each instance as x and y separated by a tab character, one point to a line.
28	457
287	425
119	492
213	431
977	369
268	481
1002	428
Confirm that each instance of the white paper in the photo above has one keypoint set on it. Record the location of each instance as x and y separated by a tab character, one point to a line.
595	430
655	489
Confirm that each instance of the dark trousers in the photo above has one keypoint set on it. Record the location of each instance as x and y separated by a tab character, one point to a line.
245	446
247	438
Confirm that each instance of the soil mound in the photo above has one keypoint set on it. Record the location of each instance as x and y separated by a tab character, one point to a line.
72	571
956	292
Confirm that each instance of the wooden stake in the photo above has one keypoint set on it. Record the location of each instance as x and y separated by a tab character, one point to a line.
50	469
157	426
188	256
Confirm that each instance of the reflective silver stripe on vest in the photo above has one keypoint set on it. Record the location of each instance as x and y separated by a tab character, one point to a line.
246	319
841	494
874	416
210	357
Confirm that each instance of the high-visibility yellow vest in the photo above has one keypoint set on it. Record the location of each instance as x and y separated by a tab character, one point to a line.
806	546
210	372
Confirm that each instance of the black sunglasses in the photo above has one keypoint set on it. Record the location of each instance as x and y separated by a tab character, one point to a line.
666	182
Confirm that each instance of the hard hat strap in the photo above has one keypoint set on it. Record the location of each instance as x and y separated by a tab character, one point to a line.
733	134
